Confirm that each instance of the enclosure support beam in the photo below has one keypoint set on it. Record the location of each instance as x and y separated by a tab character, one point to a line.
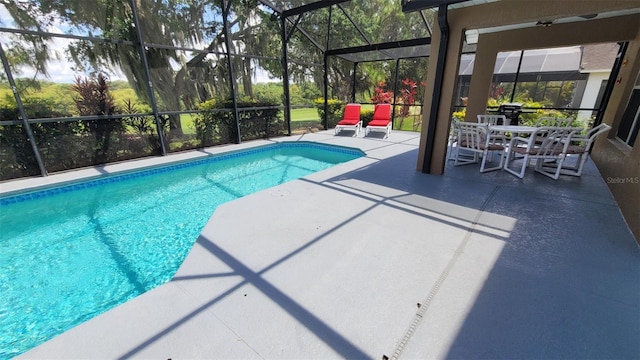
380	46
311	7
23	114
145	64
326	77
325	121
515	81
232	81
395	91
285	73
353	82
437	86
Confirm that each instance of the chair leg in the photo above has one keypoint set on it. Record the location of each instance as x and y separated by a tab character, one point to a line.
552	172
484	161
576	170
571	170
581	161
450	149
525	161
465	161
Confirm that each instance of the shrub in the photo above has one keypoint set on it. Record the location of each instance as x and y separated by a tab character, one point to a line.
144	127
335	109
217	124
460	114
366	116
16	154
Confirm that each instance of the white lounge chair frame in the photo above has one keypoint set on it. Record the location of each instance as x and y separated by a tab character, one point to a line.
385	129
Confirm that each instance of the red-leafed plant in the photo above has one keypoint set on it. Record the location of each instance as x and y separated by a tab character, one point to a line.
381	96
496	91
94	98
408	94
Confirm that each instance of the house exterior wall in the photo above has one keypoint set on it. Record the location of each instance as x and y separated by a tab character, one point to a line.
507	12
619	164
591	91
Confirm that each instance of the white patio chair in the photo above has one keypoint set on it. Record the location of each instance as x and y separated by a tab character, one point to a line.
453	139
549	155
581	145
493	119
554	121
474	142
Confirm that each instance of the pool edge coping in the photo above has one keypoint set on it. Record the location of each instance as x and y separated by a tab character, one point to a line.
29	185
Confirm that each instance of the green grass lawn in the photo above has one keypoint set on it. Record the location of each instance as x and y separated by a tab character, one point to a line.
305	114
302	116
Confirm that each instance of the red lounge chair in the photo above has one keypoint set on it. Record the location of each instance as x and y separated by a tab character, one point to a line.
381	120
351	119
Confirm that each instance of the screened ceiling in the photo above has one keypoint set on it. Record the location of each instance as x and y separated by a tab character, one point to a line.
370	37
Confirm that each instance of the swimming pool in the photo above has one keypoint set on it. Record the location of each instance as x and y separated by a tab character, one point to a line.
72	252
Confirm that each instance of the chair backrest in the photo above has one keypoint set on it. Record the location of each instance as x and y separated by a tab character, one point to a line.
382	112
544	121
555	140
352	112
594	133
563	122
493	119
551	121
472	135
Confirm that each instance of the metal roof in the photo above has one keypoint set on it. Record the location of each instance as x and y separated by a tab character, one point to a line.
533	61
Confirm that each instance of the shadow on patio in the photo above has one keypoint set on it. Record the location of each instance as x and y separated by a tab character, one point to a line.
371	259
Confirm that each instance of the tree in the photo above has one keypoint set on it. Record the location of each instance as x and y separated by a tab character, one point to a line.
182	79
184	23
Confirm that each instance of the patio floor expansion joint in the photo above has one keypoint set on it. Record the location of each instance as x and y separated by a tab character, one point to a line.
424	305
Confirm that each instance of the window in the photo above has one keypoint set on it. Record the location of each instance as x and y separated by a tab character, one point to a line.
630	123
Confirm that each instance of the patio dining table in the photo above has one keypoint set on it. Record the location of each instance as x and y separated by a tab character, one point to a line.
513	129
508	132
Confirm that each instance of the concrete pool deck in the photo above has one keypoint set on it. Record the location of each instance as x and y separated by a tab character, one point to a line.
372	259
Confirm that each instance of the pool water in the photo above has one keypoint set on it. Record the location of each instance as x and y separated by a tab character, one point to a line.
71	253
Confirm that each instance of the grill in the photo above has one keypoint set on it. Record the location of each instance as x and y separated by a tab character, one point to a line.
511	111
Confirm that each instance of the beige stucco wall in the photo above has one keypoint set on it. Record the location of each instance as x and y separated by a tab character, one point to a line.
618	163
610	158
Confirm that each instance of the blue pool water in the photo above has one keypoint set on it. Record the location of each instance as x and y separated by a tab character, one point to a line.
70	253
